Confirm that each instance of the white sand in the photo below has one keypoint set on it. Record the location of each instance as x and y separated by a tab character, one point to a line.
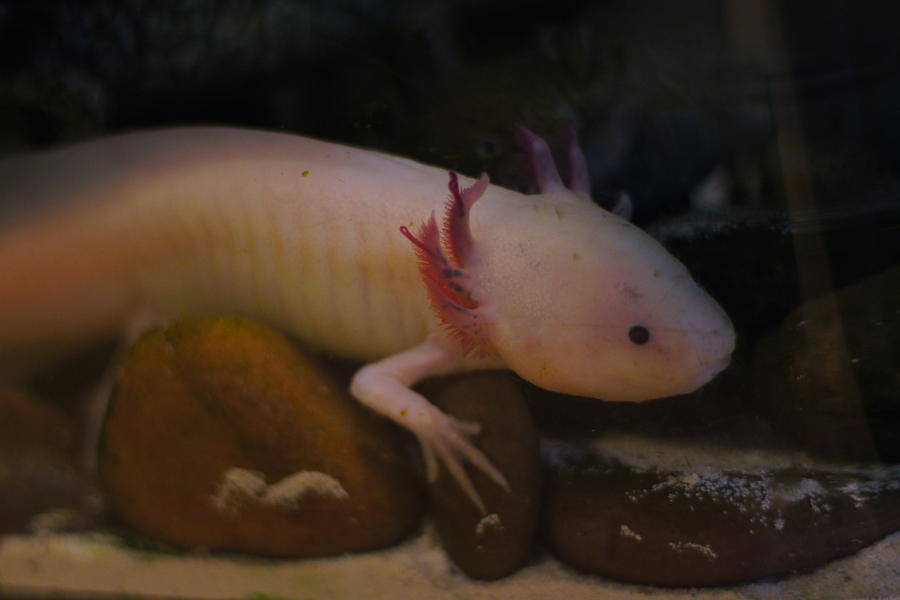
416	570
79	565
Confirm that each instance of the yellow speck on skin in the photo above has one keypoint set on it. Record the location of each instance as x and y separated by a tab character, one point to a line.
404	412
305	173
575	256
558	212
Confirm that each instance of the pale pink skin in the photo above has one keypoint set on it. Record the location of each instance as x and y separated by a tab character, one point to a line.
305	235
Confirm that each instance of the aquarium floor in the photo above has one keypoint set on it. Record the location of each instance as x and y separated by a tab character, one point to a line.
88	566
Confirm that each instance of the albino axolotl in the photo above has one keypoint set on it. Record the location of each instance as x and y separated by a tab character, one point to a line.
358	254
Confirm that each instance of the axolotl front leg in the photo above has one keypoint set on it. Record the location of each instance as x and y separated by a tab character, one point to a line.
443	255
385	385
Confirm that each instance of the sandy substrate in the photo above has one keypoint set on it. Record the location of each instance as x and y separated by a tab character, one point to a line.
90	565
85	565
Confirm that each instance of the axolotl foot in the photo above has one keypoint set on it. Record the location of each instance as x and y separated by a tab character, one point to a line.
445	439
384	386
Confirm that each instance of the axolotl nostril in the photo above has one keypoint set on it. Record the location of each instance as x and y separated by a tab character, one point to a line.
358	254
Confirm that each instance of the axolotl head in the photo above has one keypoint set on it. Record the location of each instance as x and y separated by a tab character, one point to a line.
581	301
571	297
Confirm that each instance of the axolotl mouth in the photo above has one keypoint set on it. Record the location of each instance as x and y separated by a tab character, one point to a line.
667	387
710	371
706	340
718	341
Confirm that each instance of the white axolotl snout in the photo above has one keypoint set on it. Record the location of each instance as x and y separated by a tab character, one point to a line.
582	302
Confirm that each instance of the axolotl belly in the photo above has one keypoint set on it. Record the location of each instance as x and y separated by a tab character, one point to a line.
357	253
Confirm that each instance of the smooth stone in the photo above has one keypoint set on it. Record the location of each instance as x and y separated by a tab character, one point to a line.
224	435
718	526
42	486
827	377
493	545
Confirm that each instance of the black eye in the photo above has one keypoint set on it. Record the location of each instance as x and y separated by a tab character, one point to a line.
639	335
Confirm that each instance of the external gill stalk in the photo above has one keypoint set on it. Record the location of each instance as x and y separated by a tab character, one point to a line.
546	176
442	260
543	168
457	235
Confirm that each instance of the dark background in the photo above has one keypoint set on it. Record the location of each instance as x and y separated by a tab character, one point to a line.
662	92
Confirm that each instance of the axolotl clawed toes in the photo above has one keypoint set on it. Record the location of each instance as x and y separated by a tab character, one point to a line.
357	254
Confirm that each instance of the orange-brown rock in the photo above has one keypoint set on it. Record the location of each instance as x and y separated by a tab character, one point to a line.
222	434
496	544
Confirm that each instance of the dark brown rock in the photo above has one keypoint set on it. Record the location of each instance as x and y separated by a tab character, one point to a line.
42	486
224	435
683	528
828	376
493	545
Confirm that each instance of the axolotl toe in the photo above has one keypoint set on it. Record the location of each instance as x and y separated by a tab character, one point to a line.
357	254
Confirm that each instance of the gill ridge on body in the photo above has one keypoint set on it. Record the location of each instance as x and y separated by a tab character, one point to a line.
341	248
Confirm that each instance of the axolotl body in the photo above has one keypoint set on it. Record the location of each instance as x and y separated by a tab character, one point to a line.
358	254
